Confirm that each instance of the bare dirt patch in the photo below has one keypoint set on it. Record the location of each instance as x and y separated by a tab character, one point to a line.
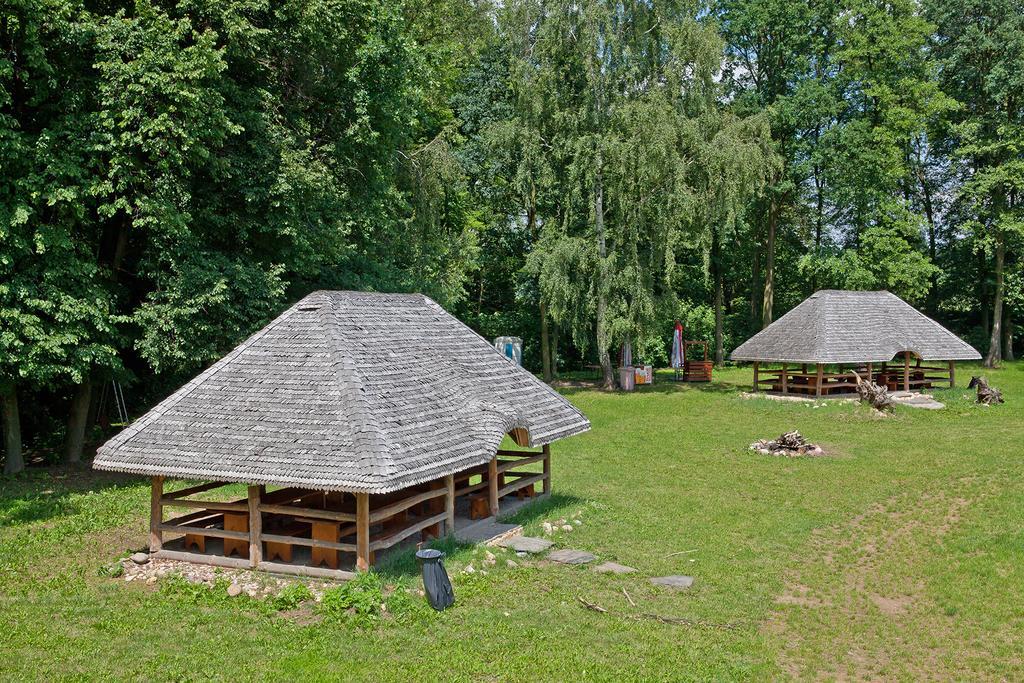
855	607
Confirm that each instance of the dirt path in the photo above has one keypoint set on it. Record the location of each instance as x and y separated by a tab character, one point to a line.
859	606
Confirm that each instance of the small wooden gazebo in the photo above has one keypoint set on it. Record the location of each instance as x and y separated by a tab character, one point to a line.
356	420
818	346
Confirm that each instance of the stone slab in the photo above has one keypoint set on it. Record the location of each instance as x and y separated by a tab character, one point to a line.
526	544
679	582
567	556
613	568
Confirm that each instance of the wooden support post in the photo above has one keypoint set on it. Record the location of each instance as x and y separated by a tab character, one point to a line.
871	375
906	371
156	515
821	379
449	504
756	384
492	486
952	374
362	531
784	379
545	485
255	526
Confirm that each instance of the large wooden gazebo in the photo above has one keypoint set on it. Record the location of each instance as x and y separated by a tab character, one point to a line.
816	347
357	421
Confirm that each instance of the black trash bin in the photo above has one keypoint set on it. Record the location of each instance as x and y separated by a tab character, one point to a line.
435	579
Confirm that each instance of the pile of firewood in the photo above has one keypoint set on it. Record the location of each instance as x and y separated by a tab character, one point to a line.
986	395
789	444
875	395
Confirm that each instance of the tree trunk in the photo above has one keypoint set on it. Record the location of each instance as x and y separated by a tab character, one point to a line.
554	350
77	422
603	338
719	297
983	300
755	282
996	339
13	461
769	266
1007	334
929	212
545	342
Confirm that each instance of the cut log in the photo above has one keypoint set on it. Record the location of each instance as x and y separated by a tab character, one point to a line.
987	395
875	395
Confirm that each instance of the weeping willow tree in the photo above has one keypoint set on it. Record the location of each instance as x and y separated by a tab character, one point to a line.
645	158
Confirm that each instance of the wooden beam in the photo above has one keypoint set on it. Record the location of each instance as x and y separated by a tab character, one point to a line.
240	506
756	366
311	542
205	531
156	514
408	531
316	513
505	465
821	378
193	516
303	570
906	371
784	379
362	531
521	454
195	489
255	526
449	504
520	483
952	374
404	504
545	487
215	560
492	486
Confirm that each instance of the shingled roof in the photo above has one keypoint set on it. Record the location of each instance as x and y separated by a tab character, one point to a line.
349	391
836	326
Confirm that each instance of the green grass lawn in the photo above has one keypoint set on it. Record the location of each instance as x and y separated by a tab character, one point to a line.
898	556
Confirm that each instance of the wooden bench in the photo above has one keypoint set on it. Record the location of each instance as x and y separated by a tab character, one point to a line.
197	541
283	551
479	507
236	521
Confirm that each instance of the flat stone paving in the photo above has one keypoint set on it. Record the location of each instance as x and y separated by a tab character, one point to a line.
526	544
614	568
678	582
566	556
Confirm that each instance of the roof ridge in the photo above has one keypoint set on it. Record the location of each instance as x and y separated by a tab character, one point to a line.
531	377
349	381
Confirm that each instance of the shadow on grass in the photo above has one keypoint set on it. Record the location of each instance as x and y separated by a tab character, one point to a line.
662	385
39	494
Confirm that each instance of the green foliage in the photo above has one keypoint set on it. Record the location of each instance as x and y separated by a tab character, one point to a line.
290	597
366	599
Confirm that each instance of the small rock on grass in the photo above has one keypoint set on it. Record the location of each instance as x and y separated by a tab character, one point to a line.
140	558
613	568
679	582
234	590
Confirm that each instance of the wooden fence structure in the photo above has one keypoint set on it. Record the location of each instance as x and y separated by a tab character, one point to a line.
801	380
261	530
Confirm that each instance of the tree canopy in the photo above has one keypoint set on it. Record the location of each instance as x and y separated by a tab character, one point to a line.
579	174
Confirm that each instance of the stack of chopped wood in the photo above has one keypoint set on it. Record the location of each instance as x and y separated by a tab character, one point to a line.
789	444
